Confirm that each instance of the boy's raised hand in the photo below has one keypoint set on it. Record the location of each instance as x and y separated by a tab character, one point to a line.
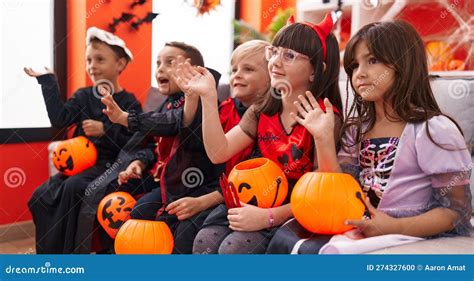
319	123
93	128
114	112
30	72
195	81
181	74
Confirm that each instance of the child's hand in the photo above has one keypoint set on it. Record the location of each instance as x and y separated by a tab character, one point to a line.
113	111
32	73
133	171
319	123
93	128
379	223
194	81
185	208
182	76
247	218
354	234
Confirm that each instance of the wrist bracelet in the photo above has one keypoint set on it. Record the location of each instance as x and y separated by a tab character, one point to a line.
271	221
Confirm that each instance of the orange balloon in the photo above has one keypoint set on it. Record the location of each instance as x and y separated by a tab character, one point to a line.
259	182
75	155
144	237
439	54
114	210
322	202
456	65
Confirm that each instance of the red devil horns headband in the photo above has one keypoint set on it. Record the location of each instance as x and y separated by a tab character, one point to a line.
322	29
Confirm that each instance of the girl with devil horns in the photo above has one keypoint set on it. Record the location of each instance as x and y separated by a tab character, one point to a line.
302	57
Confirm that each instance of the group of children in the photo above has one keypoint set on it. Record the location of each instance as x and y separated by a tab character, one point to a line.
285	106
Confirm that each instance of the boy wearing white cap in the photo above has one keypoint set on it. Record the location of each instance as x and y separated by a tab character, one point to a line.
55	204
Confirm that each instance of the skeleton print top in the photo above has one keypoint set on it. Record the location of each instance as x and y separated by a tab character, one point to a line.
415	173
376	161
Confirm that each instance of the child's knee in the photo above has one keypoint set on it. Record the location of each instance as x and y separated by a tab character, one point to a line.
244	243
75	185
208	239
277	244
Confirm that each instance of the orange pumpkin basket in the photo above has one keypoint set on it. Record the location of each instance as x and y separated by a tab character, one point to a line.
75	155
322	202
259	182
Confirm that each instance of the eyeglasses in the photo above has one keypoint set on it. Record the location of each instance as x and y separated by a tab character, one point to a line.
288	56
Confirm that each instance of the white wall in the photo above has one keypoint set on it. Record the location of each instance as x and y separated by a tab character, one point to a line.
211	33
26	39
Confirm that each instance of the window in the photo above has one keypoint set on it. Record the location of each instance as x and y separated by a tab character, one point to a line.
211	33
27	38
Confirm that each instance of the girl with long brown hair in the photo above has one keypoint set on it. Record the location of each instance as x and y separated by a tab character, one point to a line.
411	160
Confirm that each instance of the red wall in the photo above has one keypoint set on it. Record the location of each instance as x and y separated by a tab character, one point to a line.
27	162
31	158
259	14
22	168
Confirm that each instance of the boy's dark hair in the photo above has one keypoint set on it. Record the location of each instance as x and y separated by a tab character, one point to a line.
191	52
118	51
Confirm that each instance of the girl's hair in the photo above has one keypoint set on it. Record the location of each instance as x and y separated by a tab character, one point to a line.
249	49
398	45
302	39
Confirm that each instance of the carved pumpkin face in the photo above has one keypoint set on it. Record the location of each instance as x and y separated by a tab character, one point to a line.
75	155
144	237
260	182
322	202
114	210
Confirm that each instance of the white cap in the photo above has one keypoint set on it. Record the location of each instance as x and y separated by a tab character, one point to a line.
107	38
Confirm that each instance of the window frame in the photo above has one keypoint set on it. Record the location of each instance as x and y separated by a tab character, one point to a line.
23	135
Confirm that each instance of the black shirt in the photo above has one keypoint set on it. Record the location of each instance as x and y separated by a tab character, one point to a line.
83	105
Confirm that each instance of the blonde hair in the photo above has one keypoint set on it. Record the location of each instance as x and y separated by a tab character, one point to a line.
248	49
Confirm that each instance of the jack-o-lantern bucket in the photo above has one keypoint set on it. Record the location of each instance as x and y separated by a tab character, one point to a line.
114	210
75	155
259	182
144	237
322	202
